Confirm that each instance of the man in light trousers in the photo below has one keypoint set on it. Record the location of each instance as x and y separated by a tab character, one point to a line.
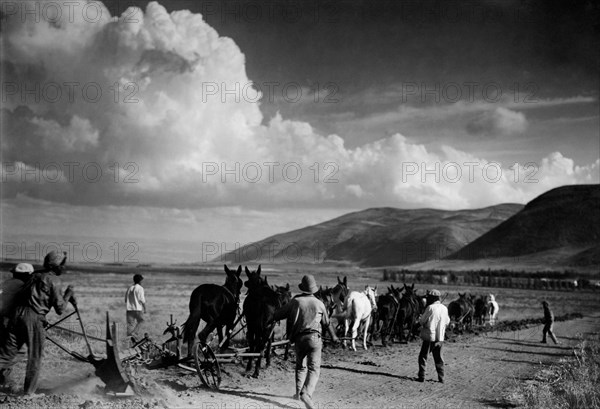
305	314
135	301
434	321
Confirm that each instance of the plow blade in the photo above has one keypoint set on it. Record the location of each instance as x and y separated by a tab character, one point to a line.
109	370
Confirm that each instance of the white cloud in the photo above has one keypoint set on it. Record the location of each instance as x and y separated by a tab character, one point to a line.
182	131
500	121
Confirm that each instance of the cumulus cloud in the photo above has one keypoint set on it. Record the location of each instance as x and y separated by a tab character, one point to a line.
500	121
160	112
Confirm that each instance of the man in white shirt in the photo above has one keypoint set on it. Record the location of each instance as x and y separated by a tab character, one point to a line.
434	321
136	305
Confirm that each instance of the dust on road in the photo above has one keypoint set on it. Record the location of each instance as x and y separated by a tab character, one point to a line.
478	370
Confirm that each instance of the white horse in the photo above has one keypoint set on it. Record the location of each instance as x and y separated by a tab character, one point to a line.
492	309
357	308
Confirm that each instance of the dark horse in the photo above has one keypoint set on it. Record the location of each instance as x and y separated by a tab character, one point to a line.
461	311
387	306
259	307
216	305
409	309
333	297
481	310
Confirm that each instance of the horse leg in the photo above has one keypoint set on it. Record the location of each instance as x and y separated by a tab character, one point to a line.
383	330
355	325
366	329
250	340
261	350
346	324
268	350
287	352
220	334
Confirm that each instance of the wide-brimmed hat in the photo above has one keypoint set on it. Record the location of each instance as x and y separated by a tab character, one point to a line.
138	278
308	284
433	293
22	268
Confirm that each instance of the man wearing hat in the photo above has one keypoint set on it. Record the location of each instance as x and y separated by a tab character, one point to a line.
548	323
135	301
38	295
8	292
305	315
434	321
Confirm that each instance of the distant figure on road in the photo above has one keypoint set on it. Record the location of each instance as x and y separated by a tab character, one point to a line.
492	309
434	321
136	306
548	322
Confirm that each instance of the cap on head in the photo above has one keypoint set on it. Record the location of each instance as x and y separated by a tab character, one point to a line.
433	293
308	284
22	268
138	278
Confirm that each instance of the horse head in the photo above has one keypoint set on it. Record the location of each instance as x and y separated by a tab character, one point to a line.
233	282
284	294
254	278
371	294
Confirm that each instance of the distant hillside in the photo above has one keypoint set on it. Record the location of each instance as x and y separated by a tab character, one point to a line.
587	257
377	237
565	216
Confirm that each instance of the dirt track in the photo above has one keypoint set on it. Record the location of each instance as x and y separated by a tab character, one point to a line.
478	369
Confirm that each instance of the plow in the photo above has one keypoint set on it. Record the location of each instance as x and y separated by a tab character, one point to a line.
110	367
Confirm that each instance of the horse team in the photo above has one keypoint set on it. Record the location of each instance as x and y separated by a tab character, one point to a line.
394	315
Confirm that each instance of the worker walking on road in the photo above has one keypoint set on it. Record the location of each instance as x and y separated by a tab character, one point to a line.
135	301
305	314
548	323
434	321
34	300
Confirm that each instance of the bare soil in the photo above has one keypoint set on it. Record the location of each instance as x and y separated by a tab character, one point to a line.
479	367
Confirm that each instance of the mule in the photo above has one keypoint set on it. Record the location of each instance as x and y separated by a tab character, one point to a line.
387	307
461	311
333	298
357	309
492	309
259	307
481	310
216	305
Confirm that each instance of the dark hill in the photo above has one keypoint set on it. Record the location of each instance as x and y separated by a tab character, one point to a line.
377	237
561	217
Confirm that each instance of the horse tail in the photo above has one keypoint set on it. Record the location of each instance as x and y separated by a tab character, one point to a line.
193	321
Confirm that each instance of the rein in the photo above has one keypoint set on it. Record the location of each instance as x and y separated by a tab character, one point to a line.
236	299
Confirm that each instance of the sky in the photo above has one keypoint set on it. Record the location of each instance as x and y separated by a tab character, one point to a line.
229	121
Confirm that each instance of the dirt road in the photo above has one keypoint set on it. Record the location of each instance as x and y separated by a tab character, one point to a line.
478	369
